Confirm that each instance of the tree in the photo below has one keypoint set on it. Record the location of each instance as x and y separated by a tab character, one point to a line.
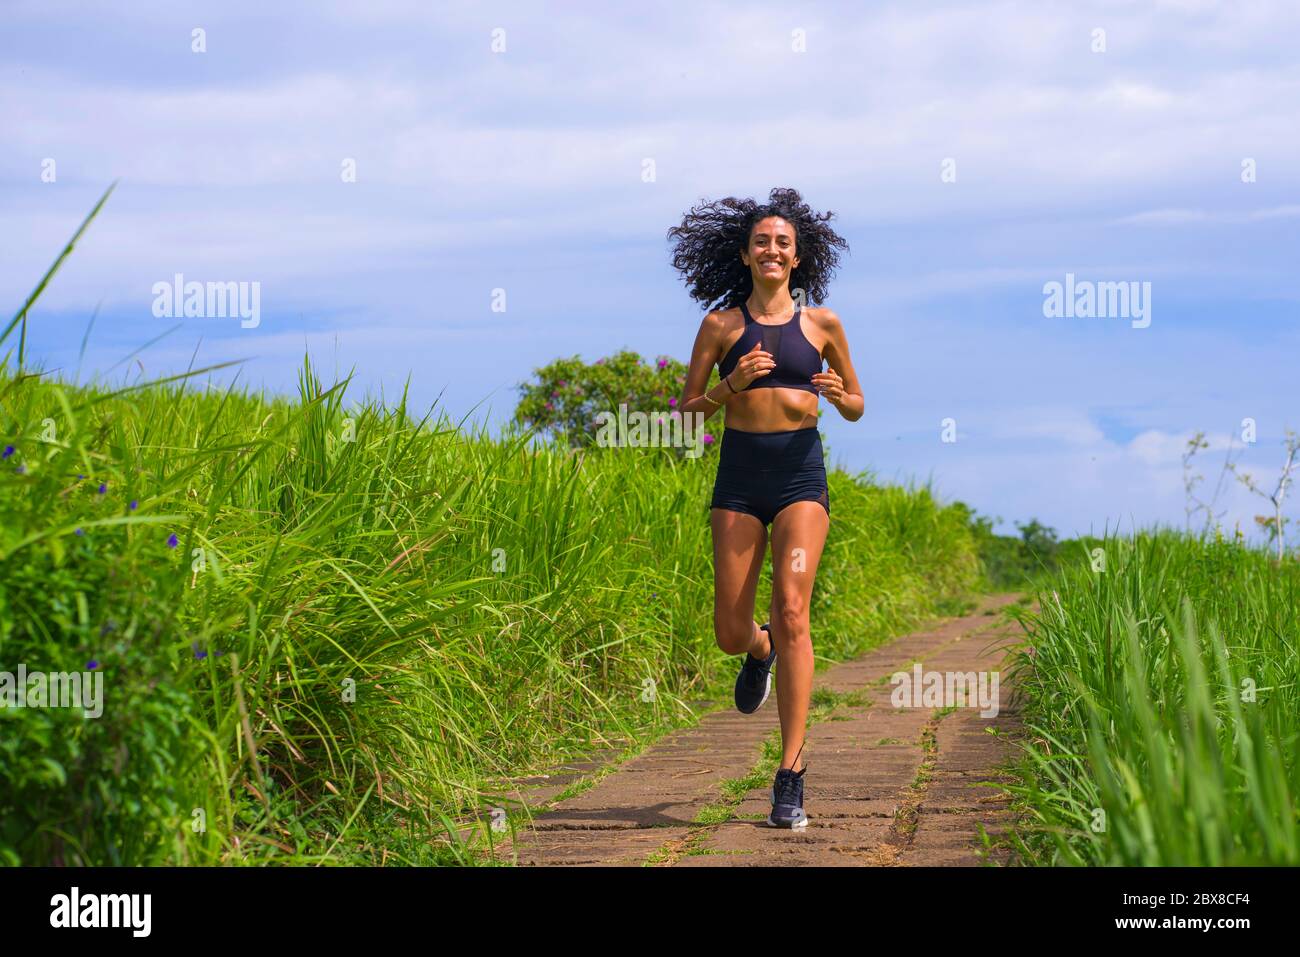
1038	538
565	397
1275	524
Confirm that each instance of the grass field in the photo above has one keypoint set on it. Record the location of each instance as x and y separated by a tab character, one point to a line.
1163	701
323	627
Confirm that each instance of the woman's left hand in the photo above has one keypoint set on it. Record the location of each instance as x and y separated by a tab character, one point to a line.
829	384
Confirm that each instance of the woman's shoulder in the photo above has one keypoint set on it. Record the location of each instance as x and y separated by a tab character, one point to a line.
823	318
723	321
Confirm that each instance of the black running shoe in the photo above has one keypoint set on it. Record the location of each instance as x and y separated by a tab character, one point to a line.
755	679
787	799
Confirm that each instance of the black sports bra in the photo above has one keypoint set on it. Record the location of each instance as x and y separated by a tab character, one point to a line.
796	359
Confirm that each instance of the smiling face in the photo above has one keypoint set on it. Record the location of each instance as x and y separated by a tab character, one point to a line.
771	254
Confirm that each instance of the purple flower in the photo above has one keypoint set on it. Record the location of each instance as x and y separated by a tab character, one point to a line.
550	407
600	362
198	654
92	664
133	504
79	532
21	470
663	363
708	439
563	383
9	450
172	541
80	476
555	395
102	488
672	403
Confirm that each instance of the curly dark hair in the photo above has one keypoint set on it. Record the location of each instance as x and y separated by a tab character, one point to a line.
712	234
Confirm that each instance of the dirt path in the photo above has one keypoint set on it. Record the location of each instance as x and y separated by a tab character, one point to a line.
885	786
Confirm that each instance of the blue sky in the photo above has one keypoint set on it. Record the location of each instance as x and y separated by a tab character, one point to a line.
522	170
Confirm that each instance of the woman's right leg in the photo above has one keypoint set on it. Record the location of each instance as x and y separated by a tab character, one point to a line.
739	545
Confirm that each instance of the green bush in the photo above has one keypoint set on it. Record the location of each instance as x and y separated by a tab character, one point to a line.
1010	563
566	398
79	594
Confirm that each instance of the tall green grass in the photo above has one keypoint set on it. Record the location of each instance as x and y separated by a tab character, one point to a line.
1162	704
327	628
497	604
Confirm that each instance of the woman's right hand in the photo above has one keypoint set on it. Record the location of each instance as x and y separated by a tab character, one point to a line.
754	364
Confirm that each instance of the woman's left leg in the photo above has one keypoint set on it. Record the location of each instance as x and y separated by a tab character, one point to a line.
798	536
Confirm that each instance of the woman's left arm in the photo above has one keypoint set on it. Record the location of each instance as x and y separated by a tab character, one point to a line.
839	383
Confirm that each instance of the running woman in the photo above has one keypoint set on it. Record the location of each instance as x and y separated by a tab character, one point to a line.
758	264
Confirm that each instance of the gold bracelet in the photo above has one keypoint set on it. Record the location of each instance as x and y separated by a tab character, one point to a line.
712	399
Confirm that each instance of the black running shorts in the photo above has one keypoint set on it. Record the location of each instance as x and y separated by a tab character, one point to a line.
760	473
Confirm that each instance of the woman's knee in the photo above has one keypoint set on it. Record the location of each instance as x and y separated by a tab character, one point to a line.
791	610
733	634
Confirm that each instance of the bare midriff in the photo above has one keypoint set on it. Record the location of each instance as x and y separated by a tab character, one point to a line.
771	410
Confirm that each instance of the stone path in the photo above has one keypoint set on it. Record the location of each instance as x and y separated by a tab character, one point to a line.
885	786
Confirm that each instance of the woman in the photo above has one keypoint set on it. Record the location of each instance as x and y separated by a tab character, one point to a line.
769	352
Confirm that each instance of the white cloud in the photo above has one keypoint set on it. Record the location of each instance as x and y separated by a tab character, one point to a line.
1176	217
1037	424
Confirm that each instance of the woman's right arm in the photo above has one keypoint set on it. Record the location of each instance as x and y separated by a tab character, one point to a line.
704	356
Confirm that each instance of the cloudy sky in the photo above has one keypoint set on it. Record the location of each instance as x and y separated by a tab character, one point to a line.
1147	142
